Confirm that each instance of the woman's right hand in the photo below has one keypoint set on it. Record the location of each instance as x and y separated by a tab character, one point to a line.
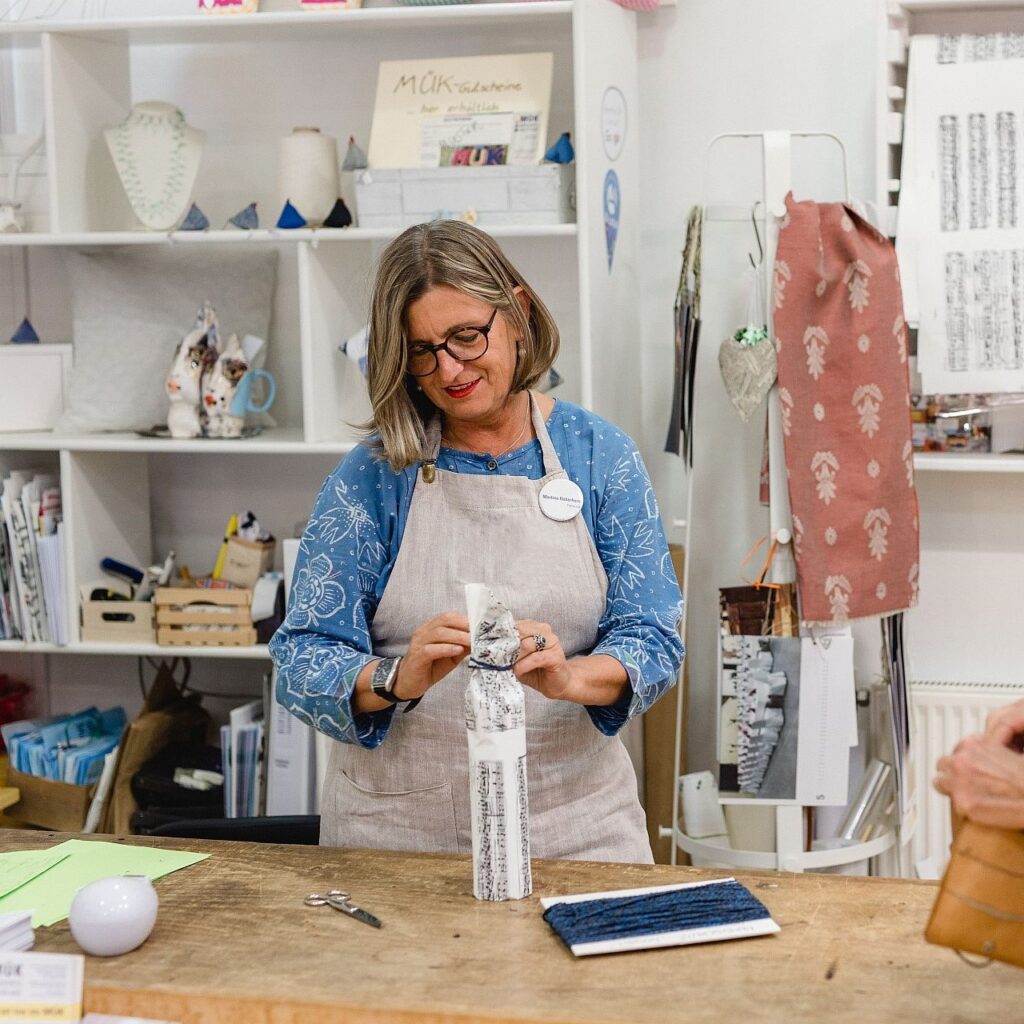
436	647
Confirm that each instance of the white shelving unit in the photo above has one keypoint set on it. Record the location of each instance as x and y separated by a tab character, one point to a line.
966	630
246	80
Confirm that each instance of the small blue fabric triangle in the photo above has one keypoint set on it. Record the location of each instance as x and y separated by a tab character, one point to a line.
25	334
340	215
195	220
290	217
561	152
247	219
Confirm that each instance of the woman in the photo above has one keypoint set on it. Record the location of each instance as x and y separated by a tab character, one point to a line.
984	776
448	491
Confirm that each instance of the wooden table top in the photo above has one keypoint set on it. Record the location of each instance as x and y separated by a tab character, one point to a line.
233	944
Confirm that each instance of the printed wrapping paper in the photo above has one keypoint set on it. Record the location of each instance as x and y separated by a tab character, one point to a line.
496	729
845	397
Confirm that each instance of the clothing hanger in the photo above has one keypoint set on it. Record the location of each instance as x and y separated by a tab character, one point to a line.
757	235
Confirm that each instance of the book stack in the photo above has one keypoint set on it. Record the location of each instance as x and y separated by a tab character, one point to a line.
67	748
32	571
16	934
241	743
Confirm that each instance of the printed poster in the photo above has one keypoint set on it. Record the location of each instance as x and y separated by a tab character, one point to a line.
461	111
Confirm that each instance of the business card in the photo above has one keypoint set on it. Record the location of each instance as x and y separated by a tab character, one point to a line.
41	988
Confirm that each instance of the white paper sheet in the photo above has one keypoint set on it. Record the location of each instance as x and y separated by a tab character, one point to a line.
961	215
828	721
421	103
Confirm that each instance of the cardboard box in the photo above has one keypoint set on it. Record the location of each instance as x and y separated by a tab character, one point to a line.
118	622
49	804
544	194
245	561
33	385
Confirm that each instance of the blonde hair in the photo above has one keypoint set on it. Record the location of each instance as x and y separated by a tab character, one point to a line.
456	254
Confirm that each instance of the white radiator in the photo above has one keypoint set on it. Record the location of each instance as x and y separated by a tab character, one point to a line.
943	714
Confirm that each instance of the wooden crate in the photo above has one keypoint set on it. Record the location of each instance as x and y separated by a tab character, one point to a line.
196	617
117	622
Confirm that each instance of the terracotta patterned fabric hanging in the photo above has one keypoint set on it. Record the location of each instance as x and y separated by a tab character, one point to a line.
844	390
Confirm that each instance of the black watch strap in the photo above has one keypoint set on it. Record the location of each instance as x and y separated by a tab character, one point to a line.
382	682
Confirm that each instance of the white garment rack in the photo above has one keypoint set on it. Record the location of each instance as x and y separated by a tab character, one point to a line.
789	854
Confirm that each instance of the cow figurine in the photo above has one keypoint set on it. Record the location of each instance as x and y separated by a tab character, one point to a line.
196	354
219	387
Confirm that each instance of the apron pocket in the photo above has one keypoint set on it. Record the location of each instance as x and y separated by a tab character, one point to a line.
417	820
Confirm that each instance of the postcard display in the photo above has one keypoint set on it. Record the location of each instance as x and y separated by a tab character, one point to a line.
496	728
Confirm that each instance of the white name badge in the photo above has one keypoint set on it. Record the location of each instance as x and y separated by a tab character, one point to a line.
561	500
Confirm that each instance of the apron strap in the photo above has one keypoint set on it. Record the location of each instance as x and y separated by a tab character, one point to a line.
433	438
552	464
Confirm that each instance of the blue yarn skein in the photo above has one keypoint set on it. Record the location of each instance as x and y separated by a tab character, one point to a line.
621	917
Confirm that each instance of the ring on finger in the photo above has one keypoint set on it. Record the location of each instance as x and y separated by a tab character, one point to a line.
540	641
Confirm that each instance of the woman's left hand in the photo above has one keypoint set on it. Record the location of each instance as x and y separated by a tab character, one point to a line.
542	664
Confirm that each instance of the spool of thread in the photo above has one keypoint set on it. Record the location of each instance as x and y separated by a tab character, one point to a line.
656	913
307	173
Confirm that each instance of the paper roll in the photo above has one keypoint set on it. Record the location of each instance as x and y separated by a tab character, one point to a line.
496	733
307	173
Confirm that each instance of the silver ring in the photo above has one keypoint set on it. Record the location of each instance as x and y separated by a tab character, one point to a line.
540	640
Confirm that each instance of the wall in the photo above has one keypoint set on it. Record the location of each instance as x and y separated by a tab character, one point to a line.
707	68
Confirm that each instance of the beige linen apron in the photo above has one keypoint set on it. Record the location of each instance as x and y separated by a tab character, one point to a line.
412	792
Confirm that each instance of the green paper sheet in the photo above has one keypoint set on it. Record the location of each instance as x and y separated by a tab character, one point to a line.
21	866
49	894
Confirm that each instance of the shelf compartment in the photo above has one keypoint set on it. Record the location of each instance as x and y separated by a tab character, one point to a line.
94	73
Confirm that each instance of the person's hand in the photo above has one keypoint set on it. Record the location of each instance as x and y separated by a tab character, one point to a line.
546	669
435	649
1006	726
985	779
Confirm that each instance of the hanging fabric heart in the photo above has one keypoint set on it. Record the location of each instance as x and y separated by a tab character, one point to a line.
747	359
748	372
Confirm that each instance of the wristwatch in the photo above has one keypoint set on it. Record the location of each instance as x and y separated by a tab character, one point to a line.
382	682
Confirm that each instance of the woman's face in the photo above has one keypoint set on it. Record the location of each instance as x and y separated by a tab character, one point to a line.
473	391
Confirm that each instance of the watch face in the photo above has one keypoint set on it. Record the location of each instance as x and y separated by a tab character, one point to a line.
383	677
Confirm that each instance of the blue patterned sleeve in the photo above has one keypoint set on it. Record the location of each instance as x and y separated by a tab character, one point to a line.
325	640
644	606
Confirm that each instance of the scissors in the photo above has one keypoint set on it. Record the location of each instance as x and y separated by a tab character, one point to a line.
341	901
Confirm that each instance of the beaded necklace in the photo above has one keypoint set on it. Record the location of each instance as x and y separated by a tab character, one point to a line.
169	129
505	451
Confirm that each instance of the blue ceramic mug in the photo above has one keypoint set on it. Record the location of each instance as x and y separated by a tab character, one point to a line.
243	403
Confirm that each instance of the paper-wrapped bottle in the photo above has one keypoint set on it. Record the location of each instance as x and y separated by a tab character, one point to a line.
496	728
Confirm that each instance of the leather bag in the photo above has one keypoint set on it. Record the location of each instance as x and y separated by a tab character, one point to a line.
980	907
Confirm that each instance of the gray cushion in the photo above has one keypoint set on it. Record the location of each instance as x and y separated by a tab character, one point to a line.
132	308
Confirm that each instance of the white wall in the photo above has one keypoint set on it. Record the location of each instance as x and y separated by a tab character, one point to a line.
707	68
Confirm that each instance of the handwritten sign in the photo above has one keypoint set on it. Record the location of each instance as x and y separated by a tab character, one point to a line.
430	113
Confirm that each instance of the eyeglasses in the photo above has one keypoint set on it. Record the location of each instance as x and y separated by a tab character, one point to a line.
463	345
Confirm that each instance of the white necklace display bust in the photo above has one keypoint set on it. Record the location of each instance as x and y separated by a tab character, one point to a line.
157	158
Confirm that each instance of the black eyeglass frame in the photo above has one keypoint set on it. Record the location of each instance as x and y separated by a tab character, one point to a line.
423	349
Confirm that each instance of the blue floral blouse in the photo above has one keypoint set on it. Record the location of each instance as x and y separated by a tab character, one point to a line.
351	544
